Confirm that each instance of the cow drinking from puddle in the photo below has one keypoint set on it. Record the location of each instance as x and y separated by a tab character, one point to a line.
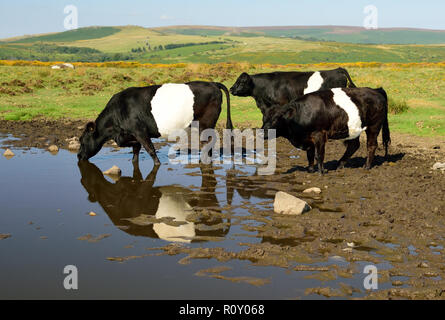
136	115
280	88
340	114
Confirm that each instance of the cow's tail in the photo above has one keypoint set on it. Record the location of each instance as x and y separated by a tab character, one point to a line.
345	72
385	129
229	124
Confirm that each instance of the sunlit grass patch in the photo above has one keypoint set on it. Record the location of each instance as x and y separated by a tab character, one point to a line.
416	92
397	106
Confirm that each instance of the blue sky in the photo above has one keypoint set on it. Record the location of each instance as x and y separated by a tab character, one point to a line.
21	17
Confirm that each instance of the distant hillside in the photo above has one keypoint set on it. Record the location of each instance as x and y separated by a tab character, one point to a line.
324	33
316	33
206	44
72	35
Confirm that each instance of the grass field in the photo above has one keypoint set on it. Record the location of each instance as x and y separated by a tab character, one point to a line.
28	92
270	45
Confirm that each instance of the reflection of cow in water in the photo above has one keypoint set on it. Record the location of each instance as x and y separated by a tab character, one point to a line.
133	203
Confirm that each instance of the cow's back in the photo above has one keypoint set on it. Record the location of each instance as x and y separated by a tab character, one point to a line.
279	87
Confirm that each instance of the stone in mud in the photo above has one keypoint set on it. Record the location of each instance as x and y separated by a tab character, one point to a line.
113	171
72	139
287	204
53	149
74	145
439	166
312	190
8	154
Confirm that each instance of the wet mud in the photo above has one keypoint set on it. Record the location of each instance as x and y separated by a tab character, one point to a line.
392	216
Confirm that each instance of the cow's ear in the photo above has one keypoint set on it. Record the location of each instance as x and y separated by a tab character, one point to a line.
290	113
91	126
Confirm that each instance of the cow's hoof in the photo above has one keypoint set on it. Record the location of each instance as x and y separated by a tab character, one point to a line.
341	165
311	169
366	167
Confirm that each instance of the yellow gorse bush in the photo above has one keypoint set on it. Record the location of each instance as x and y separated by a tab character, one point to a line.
112	64
223	65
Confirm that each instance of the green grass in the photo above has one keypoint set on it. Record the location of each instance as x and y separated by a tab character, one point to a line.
197	53
420	121
240	44
73	35
82	93
396	106
363	36
417	94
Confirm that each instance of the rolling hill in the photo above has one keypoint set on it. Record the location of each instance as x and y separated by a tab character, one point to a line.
205	44
347	34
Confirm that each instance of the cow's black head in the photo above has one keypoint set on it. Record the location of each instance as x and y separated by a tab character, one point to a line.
89	145
274	118
243	86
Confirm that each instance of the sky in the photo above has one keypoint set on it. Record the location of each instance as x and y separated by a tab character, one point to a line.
20	17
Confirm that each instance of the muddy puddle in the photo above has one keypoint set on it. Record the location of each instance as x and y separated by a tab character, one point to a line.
209	232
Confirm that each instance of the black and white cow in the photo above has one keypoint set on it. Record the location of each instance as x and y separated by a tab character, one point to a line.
280	88
133	116
340	114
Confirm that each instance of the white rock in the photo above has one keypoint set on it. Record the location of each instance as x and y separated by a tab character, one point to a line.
337	258
312	190
113	171
8	153
74	145
287	204
62	66
439	166
53	148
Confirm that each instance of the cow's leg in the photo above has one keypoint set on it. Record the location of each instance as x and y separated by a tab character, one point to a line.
148	145
136	150
372	146
351	147
151	178
137	175
320	139
310	157
125	140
